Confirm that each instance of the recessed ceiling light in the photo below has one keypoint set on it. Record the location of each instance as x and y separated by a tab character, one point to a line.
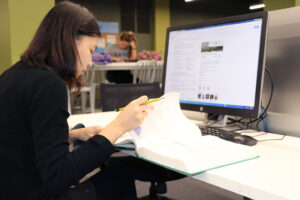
188	0
257	6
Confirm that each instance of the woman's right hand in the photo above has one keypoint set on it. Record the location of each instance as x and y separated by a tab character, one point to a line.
131	117
133	114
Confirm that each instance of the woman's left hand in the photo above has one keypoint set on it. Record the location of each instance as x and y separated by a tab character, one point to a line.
84	133
132	44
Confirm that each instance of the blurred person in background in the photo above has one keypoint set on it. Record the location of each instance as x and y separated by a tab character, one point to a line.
123	51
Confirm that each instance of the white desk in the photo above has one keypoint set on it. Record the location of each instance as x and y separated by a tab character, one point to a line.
273	176
118	66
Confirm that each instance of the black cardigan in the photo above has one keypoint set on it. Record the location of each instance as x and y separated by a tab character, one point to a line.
34	149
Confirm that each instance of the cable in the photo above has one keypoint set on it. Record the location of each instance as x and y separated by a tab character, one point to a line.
235	120
209	118
271	94
264	113
239	121
283	136
248	124
259	135
263	120
208	125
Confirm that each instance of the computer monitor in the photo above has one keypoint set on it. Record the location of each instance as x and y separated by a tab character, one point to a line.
217	66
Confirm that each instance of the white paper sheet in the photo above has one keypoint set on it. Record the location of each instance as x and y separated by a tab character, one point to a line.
166	119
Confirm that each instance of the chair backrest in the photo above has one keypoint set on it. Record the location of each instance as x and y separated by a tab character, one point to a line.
89	76
151	71
158	76
114	96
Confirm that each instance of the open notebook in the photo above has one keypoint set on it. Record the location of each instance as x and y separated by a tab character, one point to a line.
168	138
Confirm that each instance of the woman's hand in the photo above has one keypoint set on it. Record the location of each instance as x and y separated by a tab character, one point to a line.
133	114
133	53
84	133
131	117
132	44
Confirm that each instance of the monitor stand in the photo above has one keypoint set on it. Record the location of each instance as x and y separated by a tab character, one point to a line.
221	121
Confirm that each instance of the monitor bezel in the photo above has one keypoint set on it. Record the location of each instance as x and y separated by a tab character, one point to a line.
260	72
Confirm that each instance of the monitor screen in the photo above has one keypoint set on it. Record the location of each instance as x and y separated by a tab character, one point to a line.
217	66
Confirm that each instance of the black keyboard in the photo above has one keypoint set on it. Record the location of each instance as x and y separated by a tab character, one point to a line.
223	134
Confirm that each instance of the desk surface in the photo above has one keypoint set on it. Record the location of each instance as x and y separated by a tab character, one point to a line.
118	66
275	175
127	65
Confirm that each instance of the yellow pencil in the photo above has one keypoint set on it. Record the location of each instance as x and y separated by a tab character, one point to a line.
147	102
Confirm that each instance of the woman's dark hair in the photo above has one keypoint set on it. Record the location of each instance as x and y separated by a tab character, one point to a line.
53	46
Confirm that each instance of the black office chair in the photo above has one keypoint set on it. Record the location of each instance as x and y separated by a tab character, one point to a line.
114	96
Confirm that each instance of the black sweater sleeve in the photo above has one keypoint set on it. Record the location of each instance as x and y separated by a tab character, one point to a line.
47	112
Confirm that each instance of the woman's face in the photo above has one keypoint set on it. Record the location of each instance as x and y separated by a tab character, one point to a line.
86	45
123	44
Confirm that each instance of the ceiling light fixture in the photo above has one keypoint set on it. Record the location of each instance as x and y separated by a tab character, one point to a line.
188	0
257	6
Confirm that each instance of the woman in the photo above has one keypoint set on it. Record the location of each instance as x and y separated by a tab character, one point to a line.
34	148
124	50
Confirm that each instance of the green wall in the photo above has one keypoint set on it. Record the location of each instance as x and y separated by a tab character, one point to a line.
161	23
21	19
5	54
278	4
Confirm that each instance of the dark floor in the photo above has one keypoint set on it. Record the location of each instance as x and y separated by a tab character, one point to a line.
190	189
